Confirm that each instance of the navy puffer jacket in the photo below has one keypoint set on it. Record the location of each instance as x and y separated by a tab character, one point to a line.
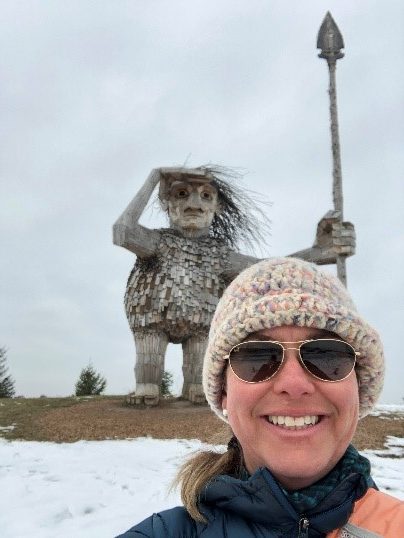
254	508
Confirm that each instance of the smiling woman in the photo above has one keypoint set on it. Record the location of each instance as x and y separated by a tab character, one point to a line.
291	366
295	424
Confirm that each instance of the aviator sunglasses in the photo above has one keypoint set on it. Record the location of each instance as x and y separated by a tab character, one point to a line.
326	359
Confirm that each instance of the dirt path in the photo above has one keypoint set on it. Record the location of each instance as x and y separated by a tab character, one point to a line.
111	419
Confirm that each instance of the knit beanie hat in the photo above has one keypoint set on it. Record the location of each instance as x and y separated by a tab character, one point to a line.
289	291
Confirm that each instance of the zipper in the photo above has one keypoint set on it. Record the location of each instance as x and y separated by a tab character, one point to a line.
303	527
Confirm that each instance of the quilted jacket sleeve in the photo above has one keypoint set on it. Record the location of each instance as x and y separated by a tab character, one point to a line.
174	523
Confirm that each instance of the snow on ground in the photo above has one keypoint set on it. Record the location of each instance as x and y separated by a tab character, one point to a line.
86	489
7	428
387	408
388	466
98	489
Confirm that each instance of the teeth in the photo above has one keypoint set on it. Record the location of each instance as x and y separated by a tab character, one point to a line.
290	421
293	422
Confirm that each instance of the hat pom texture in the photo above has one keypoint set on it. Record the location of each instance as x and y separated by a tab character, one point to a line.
289	291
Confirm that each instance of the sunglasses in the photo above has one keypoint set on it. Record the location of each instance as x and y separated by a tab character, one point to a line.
324	358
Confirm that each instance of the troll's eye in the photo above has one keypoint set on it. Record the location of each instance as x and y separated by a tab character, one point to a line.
182	193
206	195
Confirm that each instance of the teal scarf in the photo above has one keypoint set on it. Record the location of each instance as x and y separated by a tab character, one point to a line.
351	462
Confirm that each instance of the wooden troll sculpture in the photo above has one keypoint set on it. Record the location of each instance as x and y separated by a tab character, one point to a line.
181	271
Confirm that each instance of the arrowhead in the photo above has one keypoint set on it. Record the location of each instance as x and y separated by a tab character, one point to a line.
330	39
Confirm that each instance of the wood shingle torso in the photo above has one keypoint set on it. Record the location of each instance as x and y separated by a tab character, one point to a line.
177	290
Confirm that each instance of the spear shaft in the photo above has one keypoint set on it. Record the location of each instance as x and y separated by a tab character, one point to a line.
330	42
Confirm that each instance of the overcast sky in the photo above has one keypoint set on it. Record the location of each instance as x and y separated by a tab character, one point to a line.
95	94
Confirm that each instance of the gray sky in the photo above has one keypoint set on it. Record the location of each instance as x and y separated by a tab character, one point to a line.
93	95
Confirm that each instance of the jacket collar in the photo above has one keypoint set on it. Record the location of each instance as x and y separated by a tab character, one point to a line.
261	499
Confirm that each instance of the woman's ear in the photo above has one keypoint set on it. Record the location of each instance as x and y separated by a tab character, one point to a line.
224	401
224	390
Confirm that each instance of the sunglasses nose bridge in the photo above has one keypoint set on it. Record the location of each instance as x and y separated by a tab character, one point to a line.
286	349
292	352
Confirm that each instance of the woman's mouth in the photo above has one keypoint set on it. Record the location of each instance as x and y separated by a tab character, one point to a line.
294	423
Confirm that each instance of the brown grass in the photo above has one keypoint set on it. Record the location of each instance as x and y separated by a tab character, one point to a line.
107	417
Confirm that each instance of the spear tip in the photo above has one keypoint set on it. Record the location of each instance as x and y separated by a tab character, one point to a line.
330	39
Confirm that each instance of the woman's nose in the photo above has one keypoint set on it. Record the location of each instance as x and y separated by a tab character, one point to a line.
293	379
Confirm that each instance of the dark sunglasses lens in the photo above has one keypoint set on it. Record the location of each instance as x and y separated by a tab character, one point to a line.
331	360
256	361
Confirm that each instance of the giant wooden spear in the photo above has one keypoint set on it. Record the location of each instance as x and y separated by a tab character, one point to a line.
330	41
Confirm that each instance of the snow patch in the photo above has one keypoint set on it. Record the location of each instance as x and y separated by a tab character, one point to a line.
8	428
387	408
98	489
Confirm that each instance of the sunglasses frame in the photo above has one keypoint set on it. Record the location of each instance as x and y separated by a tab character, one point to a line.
301	343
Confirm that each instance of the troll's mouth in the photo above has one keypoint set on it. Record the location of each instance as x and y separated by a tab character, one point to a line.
193	212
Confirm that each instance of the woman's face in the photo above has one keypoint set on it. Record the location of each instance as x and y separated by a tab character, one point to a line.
297	456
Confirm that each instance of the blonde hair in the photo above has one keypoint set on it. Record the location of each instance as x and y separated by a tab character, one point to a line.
196	473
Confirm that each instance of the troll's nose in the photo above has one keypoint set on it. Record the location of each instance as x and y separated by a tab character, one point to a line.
194	200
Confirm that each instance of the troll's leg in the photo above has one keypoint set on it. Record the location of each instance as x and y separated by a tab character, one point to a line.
193	352
149	366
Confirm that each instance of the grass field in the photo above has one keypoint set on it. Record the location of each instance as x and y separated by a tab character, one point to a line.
108	417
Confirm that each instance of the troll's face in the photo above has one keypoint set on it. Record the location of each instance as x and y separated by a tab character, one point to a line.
192	204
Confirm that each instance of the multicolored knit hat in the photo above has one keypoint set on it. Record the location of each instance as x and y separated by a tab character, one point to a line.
289	291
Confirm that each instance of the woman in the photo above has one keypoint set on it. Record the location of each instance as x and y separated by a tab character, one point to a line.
291	366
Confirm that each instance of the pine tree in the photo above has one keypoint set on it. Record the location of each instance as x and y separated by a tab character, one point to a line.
89	382
7	389
166	384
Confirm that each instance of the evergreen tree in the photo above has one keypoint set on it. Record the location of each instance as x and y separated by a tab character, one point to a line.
166	384
89	382
6	381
